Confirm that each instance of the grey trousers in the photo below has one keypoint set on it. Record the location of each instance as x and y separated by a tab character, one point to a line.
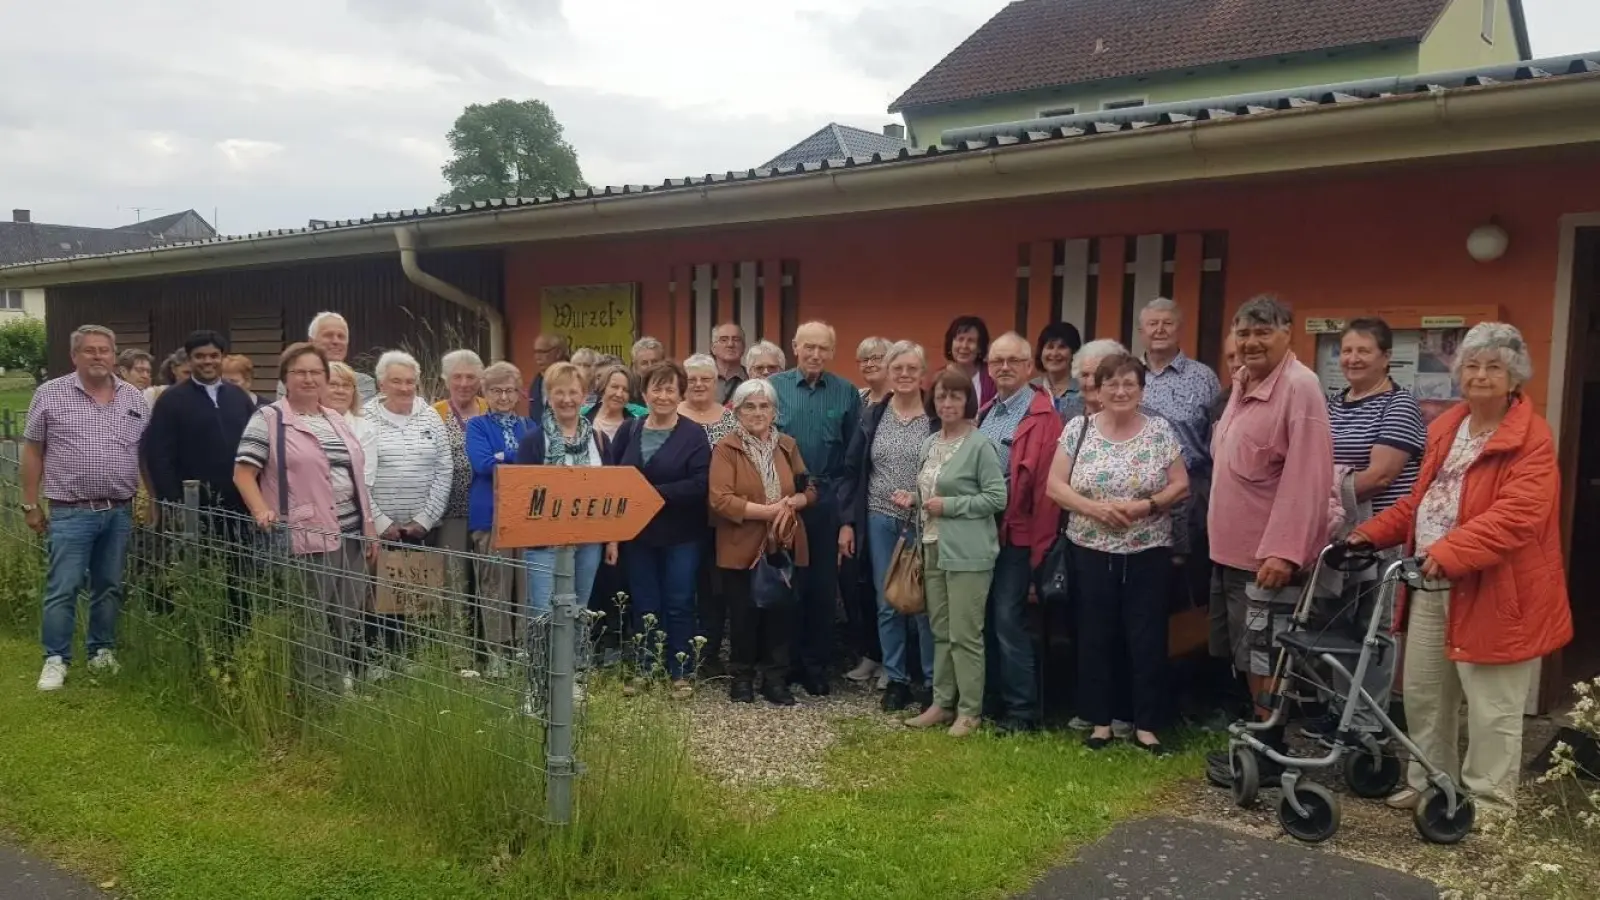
497	573
331	611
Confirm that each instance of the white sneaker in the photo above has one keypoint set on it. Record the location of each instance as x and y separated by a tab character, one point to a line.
883	679
1079	723
104	662
348	685
864	671
54	674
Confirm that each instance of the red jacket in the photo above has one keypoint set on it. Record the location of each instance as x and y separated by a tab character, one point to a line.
1032	519
1508	599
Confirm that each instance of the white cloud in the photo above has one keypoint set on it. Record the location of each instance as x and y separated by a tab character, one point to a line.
296	109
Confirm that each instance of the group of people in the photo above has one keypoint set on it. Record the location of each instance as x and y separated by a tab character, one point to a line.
951	483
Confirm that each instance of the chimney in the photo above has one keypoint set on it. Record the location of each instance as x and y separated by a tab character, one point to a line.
895	130
21	215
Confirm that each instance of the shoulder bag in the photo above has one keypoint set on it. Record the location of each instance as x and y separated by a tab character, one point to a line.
1055	573
903	586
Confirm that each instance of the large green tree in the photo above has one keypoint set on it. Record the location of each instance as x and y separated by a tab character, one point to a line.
508	149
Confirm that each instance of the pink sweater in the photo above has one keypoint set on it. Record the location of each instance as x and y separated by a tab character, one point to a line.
1272	472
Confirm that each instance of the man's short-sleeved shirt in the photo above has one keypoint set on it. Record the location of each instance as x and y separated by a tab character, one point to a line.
91	450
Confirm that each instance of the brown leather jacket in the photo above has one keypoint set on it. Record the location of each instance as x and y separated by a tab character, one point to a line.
735	483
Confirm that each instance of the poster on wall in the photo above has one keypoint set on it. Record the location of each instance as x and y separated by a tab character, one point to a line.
1421	362
603	317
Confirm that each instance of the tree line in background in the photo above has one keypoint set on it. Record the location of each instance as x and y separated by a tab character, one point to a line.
508	148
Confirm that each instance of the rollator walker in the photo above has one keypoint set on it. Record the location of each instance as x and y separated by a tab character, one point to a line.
1365	734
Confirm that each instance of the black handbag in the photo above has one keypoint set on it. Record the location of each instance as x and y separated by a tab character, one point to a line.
1055	573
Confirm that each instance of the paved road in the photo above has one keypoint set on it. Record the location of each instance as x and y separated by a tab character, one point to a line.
23	876
1166	859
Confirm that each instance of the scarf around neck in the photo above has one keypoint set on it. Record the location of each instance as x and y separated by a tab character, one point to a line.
558	451
761	453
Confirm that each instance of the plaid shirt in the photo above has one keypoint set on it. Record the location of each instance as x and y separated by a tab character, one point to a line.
91	452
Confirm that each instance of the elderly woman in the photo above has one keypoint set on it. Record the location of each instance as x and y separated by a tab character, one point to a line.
869	360
700	399
1087	362
613	392
587	359
966	350
673	454
960	492
340	395
563	438
1119	473
133	366
764	359
1057	344
174	370
882	464
758	483
301	465
492	439
238	370
462	373
701	406
1483	515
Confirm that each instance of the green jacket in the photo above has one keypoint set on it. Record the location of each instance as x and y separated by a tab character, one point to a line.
974	490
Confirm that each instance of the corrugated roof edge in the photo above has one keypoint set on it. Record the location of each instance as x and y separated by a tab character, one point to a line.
1274	101
959	141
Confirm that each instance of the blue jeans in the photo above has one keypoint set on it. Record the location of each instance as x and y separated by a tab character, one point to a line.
1009	649
882	532
541	563
85	542
662	581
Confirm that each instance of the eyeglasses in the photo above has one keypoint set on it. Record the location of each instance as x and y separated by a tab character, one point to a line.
728	339
307	373
503	392
1004	362
1118	388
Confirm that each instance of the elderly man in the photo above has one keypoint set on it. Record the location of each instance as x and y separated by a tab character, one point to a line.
1022	423
331	334
647	353
727	348
1272	477
1181	390
821	411
80	453
548	349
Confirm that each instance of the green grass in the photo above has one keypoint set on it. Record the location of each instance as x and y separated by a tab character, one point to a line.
174	787
15	393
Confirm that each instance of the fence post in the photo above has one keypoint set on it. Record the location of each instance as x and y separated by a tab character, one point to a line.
191	520
561	677
10	476
8	425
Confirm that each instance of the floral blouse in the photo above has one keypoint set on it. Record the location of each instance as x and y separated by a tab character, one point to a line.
1441	504
1118	471
939	452
461	466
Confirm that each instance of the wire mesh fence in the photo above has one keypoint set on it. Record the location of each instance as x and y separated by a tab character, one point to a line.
425	659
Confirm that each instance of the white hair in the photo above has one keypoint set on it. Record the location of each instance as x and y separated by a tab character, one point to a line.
1161	304
83	331
751	387
1500	340
901	348
817	326
700	362
455	359
872	346
323	318
585	356
764	348
647	343
502	373
392	358
734	325
1096	350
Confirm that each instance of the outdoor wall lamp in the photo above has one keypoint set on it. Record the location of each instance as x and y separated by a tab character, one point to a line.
1487	243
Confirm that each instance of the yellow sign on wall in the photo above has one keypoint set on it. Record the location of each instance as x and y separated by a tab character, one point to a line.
600	316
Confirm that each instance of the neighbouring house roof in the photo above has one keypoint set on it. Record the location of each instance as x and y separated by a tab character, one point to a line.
1034	44
1082	134
24	242
175	224
835	141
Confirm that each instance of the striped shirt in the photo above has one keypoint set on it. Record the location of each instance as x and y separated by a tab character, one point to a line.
91	450
821	416
412	476
1392	419
257	438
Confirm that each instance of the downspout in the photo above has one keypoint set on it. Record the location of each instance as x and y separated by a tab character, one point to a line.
405	238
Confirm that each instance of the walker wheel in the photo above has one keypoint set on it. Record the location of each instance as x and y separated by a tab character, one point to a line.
1322	813
1435	826
1372	776
1246	776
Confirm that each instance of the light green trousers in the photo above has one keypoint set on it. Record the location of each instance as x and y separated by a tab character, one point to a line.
956	603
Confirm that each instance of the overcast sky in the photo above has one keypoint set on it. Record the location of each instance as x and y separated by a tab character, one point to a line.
274	113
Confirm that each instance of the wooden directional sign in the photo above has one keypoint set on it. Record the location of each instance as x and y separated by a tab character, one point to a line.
550	506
